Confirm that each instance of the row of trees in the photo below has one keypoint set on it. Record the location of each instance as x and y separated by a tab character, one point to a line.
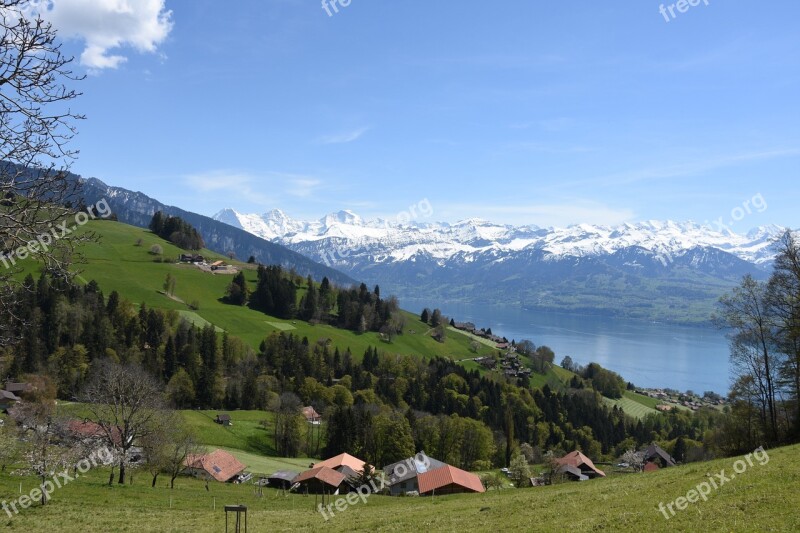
177	231
357	308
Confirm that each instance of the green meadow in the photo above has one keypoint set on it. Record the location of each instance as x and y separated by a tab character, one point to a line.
762	498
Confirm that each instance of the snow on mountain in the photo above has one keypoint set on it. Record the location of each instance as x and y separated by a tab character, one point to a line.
384	242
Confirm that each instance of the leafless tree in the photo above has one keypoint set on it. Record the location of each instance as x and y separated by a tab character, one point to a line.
36	127
127	403
167	447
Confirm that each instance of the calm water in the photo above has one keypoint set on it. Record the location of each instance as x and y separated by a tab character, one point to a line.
647	354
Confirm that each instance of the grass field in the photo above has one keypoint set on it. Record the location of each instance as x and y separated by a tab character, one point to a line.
633	404
762	498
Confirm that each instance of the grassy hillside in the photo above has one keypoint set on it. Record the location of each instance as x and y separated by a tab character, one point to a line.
760	499
117	263
636	405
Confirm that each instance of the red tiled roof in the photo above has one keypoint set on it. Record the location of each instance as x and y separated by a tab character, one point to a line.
310	413
448	475
325	474
92	430
219	464
343	459
577	459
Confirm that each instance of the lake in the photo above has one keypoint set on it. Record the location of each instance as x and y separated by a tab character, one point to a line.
648	354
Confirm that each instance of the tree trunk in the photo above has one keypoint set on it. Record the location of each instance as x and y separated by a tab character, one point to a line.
155	478
111	477
172	482
44	494
121	473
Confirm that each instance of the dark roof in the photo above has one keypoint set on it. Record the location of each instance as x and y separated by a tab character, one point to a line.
18	387
410	468
7	395
654	450
446	476
284	475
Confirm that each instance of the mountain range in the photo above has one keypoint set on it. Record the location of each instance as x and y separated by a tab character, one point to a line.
657	270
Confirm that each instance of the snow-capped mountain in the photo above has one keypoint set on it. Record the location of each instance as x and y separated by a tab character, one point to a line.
385	241
633	268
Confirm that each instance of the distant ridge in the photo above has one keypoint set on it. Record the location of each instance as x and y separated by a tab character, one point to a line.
137	209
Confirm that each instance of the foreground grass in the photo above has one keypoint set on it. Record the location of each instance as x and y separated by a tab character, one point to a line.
763	498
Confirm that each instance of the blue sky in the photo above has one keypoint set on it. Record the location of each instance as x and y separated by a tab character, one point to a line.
517	111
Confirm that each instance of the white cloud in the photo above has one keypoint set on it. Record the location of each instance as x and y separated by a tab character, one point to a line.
344	137
303	187
106	25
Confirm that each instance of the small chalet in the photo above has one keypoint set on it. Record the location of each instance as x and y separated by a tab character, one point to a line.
218	464
581	462
311	415
223	419
654	455
403	476
321	480
448	480
282	479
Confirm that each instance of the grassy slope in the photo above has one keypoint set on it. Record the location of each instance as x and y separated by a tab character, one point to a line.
636	405
760	499
117	264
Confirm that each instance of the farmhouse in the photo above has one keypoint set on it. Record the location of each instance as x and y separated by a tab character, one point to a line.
403	476
321	480
311	415
224	419
341	462
448	480
581	462
218	464
86	430
654	455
